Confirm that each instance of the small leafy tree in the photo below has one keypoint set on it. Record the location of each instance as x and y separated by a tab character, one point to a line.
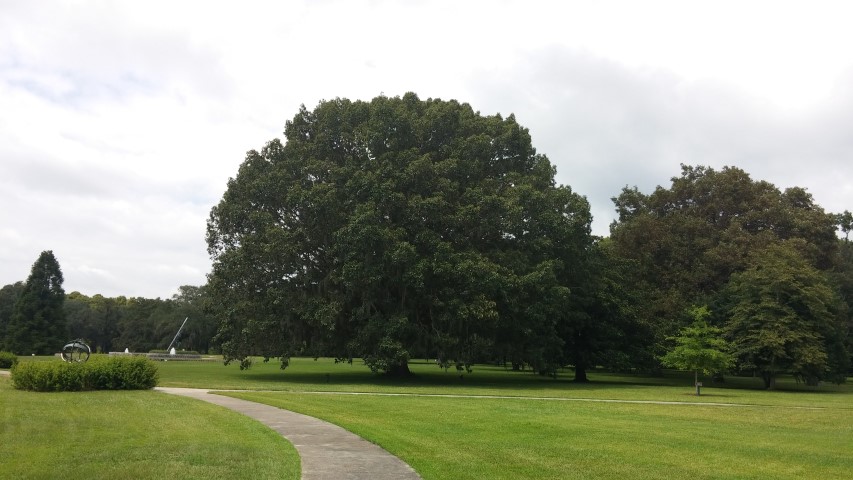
699	347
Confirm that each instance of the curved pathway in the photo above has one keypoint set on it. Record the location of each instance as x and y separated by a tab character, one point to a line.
327	451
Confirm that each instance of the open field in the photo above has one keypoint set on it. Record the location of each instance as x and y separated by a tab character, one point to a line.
133	434
477	438
546	428
548	431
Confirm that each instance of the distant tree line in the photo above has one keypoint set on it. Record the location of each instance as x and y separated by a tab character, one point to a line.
141	324
39	320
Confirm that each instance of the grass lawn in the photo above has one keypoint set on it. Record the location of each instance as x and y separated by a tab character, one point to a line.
546	428
477	438
133	434
547	432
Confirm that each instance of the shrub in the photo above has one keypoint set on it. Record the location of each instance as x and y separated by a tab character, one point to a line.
100	373
48	376
121	373
8	359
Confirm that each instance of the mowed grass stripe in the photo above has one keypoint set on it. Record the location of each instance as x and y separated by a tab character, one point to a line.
305	374
133	434
558	399
517	438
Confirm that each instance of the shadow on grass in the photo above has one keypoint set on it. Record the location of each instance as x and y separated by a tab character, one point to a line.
324	374
510	380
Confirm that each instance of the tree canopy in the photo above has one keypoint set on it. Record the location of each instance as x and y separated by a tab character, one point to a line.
395	227
687	240
784	317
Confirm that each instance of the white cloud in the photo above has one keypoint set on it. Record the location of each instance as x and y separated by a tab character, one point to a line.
606	125
120	122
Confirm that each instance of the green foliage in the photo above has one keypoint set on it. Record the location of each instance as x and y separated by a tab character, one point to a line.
699	346
784	316
842	278
100	373
8	359
141	324
38	322
845	223
686	241
600	325
95	319
48	376
9	295
393	228
121	373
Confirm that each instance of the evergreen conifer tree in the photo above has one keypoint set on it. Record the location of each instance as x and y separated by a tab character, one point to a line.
38	321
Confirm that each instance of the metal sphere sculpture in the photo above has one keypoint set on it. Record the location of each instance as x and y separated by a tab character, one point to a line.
76	351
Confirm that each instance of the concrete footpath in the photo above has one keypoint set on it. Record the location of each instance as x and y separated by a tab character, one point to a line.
326	451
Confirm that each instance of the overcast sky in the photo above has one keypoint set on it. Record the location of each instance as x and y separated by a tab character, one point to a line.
121	122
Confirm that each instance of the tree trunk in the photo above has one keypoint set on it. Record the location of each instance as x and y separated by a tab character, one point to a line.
399	371
696	381
769	380
580	370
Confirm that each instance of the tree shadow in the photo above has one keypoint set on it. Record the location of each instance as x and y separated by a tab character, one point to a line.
304	374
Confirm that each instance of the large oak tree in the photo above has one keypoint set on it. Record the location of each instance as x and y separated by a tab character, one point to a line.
393	228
